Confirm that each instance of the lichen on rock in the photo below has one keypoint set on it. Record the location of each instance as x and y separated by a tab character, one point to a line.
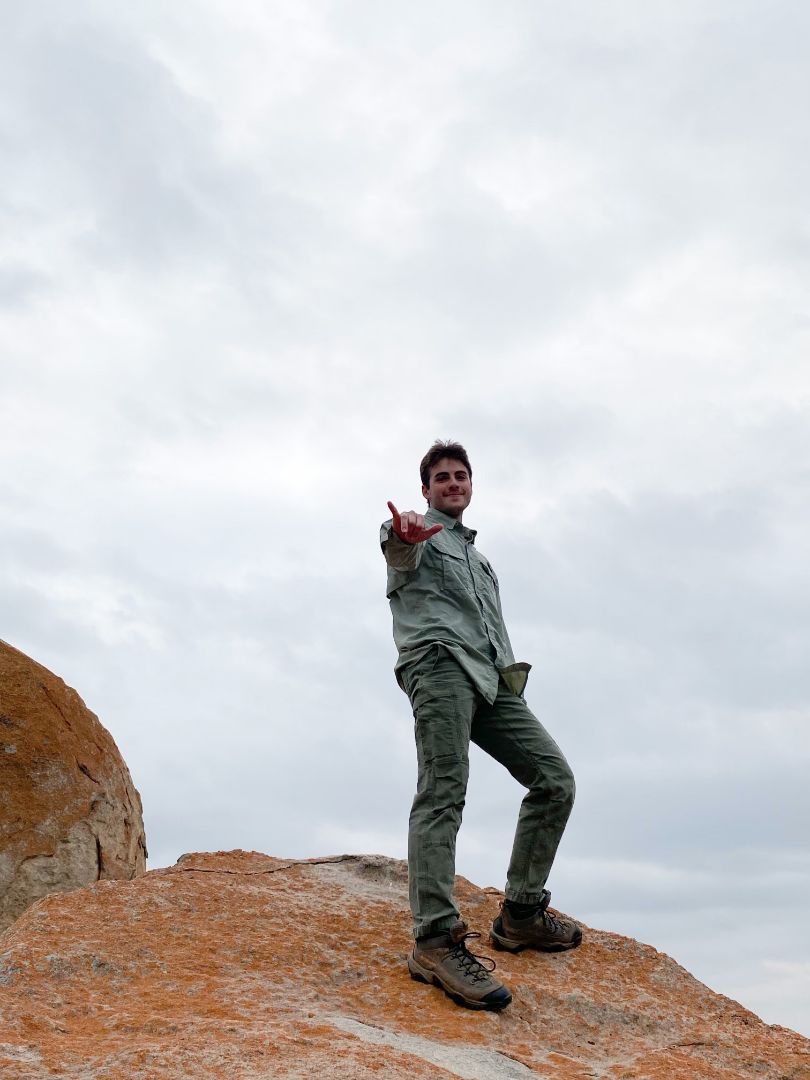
239	966
70	814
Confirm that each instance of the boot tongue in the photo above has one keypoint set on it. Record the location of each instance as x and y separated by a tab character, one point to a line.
444	939
457	931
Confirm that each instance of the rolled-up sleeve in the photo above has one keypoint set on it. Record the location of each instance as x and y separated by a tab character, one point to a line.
398	554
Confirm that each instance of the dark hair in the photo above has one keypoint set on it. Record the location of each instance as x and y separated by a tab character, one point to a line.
441	450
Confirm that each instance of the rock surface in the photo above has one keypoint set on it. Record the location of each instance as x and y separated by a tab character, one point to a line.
69	813
238	966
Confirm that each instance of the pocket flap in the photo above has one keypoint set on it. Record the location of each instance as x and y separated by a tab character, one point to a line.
447	546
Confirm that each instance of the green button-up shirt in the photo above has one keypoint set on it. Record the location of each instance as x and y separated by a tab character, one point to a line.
443	591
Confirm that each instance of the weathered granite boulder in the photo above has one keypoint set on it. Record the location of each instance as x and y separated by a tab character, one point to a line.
69	813
237	966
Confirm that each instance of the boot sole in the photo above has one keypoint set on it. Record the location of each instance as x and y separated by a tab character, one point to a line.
420	974
505	945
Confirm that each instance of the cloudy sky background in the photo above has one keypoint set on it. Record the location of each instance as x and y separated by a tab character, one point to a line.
257	256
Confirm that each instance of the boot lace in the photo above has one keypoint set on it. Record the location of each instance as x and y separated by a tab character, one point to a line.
473	967
554	926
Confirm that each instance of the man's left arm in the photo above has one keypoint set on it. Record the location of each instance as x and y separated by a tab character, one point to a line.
402	538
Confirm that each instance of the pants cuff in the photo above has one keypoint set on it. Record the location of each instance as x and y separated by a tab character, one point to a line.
434	926
525	897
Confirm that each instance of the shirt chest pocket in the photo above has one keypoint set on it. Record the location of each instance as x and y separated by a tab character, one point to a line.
486	573
451	563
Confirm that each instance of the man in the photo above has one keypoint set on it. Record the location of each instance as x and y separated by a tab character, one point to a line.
457	667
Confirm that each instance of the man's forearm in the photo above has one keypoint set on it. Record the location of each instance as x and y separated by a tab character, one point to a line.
399	554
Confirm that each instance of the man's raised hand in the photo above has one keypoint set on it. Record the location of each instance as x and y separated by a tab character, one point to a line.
410	526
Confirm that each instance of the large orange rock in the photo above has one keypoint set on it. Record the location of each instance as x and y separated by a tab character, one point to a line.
238	966
69	813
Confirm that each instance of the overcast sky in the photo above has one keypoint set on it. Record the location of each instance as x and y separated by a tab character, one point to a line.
257	255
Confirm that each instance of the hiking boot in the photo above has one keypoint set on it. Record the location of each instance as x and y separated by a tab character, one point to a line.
538	930
445	960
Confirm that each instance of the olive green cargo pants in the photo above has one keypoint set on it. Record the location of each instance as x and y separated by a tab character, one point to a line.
448	713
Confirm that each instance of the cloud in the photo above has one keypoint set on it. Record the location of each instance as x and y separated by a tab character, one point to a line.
259	257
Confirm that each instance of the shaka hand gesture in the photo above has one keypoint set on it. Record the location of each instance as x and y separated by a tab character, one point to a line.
410	526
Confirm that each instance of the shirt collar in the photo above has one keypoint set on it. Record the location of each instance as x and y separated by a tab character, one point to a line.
436	517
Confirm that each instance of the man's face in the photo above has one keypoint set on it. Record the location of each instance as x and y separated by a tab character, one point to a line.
450	488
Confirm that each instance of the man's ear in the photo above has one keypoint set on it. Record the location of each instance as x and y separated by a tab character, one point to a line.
426	494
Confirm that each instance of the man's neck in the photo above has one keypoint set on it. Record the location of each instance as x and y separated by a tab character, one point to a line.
445	516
